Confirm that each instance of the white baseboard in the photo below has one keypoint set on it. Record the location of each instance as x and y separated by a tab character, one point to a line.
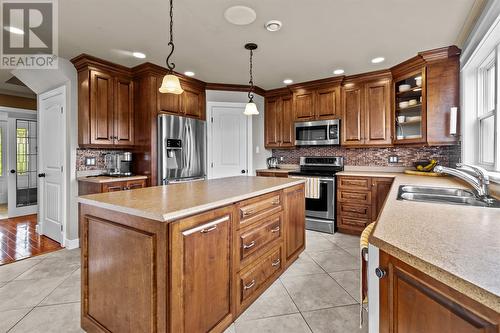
72	243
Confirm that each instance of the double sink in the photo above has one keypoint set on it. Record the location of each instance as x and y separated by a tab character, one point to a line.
454	196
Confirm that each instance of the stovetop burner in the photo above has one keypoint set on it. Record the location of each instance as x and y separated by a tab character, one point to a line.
322	166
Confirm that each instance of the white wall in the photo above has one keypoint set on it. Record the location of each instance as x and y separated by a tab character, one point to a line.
259	153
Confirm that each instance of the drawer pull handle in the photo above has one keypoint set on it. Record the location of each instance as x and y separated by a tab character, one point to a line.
276	263
277	229
204	231
248	212
248	286
252	244
276	202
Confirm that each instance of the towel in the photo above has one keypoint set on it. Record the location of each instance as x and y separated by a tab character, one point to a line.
312	187
363	263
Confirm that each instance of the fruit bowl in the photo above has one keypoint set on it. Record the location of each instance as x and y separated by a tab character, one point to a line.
425	165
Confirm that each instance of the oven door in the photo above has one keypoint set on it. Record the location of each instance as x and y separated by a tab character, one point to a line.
315	133
324	206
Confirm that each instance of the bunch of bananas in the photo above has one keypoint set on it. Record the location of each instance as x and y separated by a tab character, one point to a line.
428	167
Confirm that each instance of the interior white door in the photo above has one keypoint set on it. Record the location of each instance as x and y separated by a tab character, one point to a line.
228	143
52	137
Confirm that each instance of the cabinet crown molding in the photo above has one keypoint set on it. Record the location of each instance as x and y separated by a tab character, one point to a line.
85	61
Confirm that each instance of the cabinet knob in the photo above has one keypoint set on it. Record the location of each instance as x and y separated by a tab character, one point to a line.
380	272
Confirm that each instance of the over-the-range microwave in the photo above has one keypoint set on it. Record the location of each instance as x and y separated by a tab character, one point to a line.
317	133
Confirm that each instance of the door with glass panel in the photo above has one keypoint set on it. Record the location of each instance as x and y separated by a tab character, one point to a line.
23	179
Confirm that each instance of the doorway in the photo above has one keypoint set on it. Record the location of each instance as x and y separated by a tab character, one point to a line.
229	140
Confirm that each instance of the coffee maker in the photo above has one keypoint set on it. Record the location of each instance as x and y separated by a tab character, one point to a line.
119	164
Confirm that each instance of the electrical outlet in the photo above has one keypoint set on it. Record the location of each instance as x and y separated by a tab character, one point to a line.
90	161
282	158
393	159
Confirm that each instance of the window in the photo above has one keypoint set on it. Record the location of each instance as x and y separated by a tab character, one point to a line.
22	151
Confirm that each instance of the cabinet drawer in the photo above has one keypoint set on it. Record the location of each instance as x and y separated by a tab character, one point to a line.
113	187
353	223
255	209
251	281
256	238
357	197
355	183
360	211
133	184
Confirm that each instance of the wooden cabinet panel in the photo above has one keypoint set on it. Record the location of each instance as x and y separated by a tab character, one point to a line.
354	197
278	120
124	112
380	189
412	302
101	108
272	123
352	116
327	103
170	103
193	102
355	210
294	221
201	271
287	123
134	184
258	236
378	113
113	187
303	102
255	209
354	183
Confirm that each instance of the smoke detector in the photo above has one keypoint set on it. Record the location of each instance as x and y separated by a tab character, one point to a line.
273	25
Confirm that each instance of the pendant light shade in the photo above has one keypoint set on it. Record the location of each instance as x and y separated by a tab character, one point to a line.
171	85
251	107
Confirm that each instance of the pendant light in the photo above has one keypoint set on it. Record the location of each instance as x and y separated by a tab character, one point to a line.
251	107
171	83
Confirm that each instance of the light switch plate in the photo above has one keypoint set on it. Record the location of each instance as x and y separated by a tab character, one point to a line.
393	159
90	161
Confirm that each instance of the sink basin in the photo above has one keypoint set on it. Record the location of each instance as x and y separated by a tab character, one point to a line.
454	196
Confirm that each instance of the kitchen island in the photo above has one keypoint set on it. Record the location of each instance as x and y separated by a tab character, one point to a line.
187	257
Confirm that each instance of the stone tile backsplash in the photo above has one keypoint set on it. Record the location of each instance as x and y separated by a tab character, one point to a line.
82	153
446	155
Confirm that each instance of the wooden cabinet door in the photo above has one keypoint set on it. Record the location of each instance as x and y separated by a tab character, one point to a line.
352	116
378	113
124	112
294	220
113	186
201	271
170	103
272	123
134	184
304	105
327	103
192	102
380	190
101	108
287	125
412	302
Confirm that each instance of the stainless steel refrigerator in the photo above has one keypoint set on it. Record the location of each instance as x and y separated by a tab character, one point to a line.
181	149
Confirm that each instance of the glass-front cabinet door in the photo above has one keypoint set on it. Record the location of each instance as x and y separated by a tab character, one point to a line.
410	108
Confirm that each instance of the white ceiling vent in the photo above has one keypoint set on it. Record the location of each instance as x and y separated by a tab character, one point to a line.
273	25
240	15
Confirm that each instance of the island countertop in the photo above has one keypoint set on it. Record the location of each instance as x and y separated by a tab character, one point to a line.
175	201
456	245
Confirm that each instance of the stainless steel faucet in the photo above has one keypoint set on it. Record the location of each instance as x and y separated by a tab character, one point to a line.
477	177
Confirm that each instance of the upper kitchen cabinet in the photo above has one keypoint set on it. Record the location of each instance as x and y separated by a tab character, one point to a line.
317	100
426	87
366	110
278	119
105	103
191	103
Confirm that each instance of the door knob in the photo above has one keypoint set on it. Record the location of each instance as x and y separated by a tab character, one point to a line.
12	171
380	272
41	175
243	171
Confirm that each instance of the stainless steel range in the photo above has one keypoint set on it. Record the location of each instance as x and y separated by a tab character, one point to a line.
320	212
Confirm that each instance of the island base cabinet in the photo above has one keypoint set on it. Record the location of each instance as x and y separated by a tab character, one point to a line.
201	272
295	219
413	302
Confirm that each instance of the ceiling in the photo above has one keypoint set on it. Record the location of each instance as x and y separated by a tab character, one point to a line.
317	37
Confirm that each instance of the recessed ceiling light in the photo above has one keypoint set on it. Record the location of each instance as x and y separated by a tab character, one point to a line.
273	25
14	30
240	15
338	71
189	73
139	55
287	81
378	60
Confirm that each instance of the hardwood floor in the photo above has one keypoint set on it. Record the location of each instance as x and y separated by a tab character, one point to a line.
19	240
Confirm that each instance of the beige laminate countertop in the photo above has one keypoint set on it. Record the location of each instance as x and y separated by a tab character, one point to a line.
276	170
108	179
171	202
457	245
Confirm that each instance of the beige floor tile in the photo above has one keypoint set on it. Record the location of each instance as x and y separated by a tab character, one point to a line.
26	293
9	272
275	301
293	323
344	319
230	329
355	251
67	292
318	243
54	318
343	240
304	265
335	260
11	317
50	268
313	292
349	280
